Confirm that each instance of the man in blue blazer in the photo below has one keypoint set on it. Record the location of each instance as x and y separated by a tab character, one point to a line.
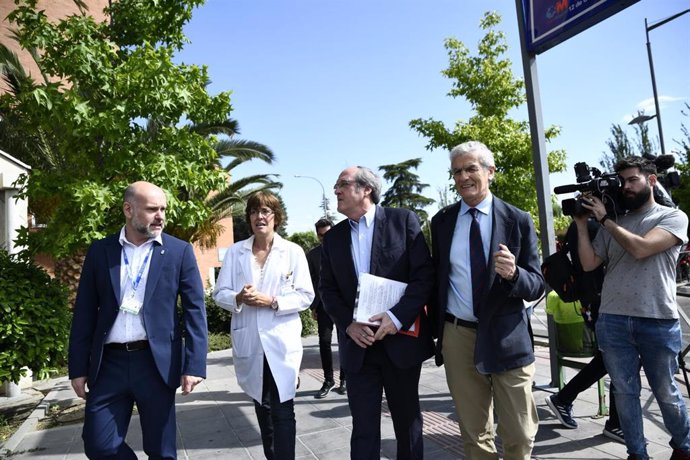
385	242
482	325
128	343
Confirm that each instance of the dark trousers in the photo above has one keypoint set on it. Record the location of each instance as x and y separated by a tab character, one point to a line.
588	376
325	325
365	394
125	378
276	420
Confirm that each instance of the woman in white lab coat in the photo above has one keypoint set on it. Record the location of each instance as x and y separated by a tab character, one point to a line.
264	282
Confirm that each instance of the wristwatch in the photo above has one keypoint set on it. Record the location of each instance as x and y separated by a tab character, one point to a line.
274	303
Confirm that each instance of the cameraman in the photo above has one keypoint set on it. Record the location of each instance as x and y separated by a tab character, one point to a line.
638	320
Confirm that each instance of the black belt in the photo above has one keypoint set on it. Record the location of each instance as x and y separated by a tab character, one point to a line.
129	346
461	322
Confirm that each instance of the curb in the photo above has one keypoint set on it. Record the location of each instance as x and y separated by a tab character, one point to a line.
40	412
28	426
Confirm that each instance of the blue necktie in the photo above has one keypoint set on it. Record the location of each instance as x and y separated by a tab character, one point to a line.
477	262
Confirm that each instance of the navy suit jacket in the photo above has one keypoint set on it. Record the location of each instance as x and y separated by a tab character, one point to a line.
173	272
399	252
503	338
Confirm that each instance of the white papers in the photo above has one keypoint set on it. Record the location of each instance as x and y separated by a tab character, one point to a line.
376	295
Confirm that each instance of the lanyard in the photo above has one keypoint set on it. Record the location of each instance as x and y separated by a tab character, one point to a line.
135	282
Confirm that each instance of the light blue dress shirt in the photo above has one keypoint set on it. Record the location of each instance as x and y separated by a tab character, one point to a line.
460	273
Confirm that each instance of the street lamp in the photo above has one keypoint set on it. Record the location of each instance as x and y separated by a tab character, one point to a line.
648	28
324	200
642	118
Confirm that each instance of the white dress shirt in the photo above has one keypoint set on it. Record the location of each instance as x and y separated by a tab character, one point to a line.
129	327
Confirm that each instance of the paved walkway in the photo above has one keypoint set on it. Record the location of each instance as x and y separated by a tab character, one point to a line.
217	420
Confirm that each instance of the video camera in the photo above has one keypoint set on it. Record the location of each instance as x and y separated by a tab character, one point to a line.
590	181
607	187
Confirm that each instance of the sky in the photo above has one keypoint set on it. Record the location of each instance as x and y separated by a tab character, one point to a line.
328	84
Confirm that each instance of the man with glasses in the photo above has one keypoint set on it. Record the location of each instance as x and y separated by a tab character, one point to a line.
324	322
485	254
385	242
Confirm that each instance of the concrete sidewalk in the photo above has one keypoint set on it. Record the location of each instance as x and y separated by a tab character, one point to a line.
217	420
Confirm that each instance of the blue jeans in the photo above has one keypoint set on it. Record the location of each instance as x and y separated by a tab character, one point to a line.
627	341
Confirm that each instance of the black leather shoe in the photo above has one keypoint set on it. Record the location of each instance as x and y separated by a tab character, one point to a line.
325	389
342	389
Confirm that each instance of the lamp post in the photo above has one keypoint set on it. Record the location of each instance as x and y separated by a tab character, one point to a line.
324	200
648	28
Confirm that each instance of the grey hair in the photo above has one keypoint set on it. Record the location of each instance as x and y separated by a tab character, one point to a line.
367	178
486	156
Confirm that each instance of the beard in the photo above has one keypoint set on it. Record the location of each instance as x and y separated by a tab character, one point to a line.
639	199
145	229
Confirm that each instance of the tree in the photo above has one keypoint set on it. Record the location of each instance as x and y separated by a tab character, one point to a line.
306	240
232	200
99	80
681	195
621	146
405	191
488	85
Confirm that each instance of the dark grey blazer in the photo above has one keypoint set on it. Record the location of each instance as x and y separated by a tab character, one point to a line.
399	252
503	338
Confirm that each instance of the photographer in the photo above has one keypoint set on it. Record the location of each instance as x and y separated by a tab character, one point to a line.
638	316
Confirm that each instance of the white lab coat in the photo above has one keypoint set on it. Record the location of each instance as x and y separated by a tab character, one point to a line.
259	331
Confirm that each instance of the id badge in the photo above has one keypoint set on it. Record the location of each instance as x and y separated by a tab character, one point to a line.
131	305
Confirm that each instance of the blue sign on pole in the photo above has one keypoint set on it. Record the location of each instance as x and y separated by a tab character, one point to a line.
549	22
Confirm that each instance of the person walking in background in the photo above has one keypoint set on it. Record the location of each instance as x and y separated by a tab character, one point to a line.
485	254
126	344
638	318
264	282
385	242
323	321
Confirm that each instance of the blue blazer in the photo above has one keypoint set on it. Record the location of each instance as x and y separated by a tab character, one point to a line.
503	338
178	347
399	252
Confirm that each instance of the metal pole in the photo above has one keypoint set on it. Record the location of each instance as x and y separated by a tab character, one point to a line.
656	96
324	200
647	28
541	167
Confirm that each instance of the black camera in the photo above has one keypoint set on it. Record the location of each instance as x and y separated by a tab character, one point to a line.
608	187
590	181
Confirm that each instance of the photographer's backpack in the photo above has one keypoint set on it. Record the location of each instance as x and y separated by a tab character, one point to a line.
564	274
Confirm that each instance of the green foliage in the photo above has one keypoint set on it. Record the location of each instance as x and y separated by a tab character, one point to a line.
34	319
84	119
486	82
405	192
217	318
219	341
309	326
681	195
306	240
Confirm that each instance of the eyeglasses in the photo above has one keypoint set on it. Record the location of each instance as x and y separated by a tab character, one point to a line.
343	184
265	212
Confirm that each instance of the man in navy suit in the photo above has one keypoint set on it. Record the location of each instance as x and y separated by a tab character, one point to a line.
482	323
127	342
385	242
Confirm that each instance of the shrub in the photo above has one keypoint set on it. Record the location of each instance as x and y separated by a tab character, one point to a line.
217	318
309	326
219	341
34	319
